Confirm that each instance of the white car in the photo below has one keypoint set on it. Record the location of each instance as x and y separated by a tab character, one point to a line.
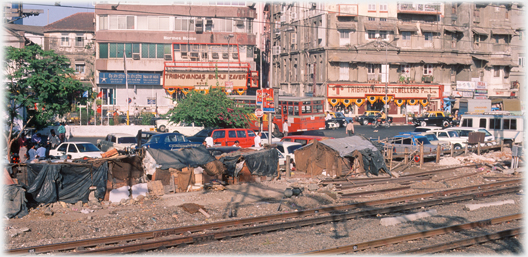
164	125
449	136
264	138
464	133
76	150
285	149
426	128
120	141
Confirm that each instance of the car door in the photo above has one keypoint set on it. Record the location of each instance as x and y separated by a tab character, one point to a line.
72	150
61	150
219	137
242	137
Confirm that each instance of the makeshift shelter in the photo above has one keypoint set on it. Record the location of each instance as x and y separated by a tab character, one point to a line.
337	156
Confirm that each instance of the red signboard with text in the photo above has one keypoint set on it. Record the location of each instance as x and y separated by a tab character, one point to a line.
268	104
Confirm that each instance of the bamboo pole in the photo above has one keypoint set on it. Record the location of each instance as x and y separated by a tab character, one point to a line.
438	153
406	156
466	150
421	155
390	162
502	145
288	172
478	148
452	149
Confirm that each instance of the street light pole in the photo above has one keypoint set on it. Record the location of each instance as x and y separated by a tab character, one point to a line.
228	37
386	82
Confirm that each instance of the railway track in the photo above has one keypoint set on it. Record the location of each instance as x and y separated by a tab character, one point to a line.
418	235
224	229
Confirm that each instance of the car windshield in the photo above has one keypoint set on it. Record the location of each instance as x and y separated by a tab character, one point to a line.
423	140
452	134
293	148
264	136
339	115
83	148
421	130
485	132
425	114
431	137
126	140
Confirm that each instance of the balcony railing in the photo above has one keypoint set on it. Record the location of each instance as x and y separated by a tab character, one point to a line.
434	8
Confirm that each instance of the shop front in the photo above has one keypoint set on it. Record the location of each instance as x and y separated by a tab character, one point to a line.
402	100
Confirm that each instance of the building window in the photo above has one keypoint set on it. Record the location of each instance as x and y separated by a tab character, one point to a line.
406	69
497	38
383	34
521	61
371	34
109	96
383	19
428	36
121	22
509	124
184	24
103	22
158	23
371	18
372	7
344	37
79	40
222	25
428	69
496	71
521	34
383	8
344	71
371	68
406	35
65	40
79	68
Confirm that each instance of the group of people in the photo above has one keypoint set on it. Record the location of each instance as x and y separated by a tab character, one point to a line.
35	149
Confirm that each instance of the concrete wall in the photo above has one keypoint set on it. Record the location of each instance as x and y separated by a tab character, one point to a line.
99	131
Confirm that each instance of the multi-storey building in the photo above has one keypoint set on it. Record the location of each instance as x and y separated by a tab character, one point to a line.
73	37
171	49
411	56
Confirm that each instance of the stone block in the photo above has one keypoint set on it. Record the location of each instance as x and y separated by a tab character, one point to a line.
410	217
472	207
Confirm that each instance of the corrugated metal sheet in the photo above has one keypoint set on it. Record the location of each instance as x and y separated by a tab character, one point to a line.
379	26
408	27
346	25
430	28
502	31
480	31
501	62
453	29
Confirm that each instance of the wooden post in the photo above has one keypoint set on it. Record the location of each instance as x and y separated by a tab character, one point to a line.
478	148
405	155
466	150
502	145
452	149
438	153
288	172
390	161
421	155
378	139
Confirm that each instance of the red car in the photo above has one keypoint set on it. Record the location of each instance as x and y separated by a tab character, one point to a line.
227	137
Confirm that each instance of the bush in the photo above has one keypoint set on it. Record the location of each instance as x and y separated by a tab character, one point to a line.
146	118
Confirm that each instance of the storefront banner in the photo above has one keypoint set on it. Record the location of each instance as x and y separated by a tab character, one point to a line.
465	85
481	85
481	91
457	93
467	94
177	78
133	78
480	97
362	91
444	94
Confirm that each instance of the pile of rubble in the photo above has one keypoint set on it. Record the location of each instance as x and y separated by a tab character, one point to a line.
487	158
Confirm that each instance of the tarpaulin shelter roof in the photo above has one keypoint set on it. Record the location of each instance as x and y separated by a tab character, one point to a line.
186	157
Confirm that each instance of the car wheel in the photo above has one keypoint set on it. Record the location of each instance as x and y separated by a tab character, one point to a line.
162	128
423	124
365	122
445	124
458	147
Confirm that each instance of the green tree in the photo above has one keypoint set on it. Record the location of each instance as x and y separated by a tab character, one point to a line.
211	110
38	77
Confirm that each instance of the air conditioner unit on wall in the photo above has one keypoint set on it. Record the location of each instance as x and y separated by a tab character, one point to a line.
135	56
167	57
225	56
240	23
215	56
184	55
235	55
276	50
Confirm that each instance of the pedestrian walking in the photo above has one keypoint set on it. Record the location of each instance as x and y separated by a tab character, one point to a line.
62	131
209	140
285	128
53	139
23	153
68	132
36	138
350	128
257	139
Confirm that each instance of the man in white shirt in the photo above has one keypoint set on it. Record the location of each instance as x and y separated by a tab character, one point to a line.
328	116
209	141
257	139
285	128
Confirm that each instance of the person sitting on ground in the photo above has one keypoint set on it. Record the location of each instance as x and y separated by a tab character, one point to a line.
32	153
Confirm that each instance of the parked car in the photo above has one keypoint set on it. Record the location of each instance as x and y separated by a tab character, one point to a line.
426	128
449	136
287	149
201	135
464	133
219	150
435	140
434	118
187	129
76	150
412	142
369	117
120	141
146	135
227	137
304	140
169	141
264	138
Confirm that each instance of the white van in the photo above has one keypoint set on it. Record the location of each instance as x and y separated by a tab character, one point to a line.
501	125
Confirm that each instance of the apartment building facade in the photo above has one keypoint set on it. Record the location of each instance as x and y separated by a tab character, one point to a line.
171	49
73	37
418	55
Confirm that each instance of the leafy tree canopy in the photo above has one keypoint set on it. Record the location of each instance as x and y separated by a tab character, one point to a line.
42	77
214	109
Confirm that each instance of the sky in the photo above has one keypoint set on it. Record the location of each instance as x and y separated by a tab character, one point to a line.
55	12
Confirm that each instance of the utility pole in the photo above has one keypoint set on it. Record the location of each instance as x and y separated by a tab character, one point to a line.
228	37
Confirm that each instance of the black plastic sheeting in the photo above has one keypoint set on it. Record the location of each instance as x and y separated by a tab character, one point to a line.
68	183
261	163
15	201
181	158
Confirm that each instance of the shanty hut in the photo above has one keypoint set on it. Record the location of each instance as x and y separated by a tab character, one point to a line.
340	157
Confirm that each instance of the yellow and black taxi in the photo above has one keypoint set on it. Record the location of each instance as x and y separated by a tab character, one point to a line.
434	118
369	117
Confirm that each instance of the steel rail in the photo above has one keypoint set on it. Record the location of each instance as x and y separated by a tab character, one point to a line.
416	235
379	191
277	226
250	221
466	242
